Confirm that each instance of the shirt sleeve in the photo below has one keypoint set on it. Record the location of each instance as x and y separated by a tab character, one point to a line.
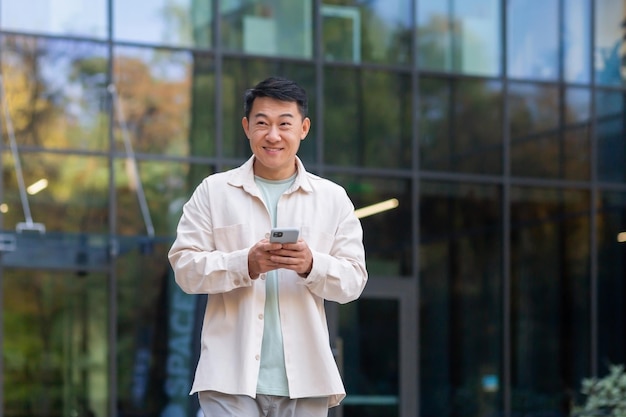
198	267
341	275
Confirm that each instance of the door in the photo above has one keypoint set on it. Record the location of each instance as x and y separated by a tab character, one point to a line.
376	349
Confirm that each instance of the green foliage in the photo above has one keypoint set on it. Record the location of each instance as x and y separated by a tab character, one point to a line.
606	396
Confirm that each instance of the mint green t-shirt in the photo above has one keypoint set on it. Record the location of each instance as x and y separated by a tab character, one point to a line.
272	374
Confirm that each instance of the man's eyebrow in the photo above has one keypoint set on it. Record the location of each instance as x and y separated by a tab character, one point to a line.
261	114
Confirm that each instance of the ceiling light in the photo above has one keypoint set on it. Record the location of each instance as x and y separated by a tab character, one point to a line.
37	186
377	208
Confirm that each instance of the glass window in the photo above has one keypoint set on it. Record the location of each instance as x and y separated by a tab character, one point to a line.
373	31
460	36
153	98
577	40
544	142
268	27
550	311
157	335
67	193
241	74
460	299
55	343
367	118
610	48
533	39
386	233
611	234
536	149
55	92
77	18
165	22
149	193
460	126
576	147
369	334
611	135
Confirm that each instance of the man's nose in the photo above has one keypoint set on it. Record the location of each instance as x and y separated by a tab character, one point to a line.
273	133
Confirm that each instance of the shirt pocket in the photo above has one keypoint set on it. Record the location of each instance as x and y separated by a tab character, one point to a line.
317	240
231	238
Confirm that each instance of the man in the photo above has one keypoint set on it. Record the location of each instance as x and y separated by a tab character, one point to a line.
265	347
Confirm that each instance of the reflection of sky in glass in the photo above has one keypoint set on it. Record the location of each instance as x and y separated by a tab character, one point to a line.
136	21
147	21
533	39
68	17
610	14
476	29
394	12
577	40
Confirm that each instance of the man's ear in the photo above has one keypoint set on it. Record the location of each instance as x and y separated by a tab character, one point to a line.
245	124
306	126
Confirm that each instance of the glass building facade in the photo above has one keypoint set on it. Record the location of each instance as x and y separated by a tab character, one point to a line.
496	130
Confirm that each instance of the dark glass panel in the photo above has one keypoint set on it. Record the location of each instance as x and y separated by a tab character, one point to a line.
460	299
609	46
54	344
460	126
611	135
373	31
550	305
185	23
268	27
369	333
157	332
577	41
533	39
576	148
387	234
611	234
241	74
367	118
460	36
547	139
66	193
153	102
56	92
76	18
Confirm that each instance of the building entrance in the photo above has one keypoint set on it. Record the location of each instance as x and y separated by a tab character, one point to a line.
374	348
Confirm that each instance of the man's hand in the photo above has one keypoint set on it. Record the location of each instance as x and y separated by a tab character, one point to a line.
265	256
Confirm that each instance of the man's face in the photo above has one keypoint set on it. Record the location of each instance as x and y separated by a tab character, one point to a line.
275	129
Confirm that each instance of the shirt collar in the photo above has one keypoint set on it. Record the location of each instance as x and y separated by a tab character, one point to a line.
244	177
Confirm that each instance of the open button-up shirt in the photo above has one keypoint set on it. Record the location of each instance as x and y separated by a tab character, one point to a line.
222	220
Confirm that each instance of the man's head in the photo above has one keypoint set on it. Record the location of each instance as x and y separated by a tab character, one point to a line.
280	89
275	123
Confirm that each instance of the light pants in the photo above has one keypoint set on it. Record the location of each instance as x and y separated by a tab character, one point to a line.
217	404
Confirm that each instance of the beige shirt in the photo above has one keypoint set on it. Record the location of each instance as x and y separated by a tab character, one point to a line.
224	217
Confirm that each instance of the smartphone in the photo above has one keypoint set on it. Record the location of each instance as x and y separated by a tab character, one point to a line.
284	235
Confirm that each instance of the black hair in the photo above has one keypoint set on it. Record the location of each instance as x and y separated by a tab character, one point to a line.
277	88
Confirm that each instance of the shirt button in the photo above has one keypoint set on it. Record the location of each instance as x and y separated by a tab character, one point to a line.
260	316
257	357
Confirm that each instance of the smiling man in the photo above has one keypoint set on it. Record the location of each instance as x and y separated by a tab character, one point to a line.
265	348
